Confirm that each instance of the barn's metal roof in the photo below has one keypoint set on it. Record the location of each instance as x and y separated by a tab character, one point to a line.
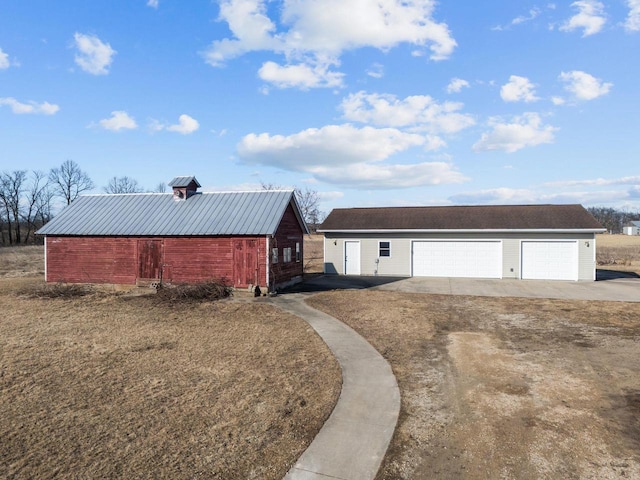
462	218
183	182
160	214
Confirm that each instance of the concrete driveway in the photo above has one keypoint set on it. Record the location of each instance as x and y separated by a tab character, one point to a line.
617	288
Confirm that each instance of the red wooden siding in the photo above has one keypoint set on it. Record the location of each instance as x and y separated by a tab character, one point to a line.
123	260
91	260
288	234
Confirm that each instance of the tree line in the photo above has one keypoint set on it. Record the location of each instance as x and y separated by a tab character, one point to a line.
612	219
28	198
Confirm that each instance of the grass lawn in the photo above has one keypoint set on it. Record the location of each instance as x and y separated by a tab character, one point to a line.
119	386
505	387
618	252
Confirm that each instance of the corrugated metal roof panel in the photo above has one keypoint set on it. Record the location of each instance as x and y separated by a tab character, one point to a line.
183	182
219	213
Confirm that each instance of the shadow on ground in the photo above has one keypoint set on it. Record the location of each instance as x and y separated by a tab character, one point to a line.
602	275
324	283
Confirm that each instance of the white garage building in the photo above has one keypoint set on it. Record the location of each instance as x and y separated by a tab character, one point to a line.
550	242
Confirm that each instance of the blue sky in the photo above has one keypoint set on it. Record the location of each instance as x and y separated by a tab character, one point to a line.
369	102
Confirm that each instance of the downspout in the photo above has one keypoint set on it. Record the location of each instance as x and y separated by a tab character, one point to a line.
595	259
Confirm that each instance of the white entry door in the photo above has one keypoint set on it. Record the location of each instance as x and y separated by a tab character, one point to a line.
351	258
549	260
457	258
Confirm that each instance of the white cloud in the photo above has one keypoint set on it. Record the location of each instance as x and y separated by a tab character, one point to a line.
152	3
419	111
532	15
119	120
558	100
633	180
301	76
519	89
584	86
456	85
317	33
334	145
330	196
510	196
251	27
383	177
44	108
93	55
590	18
4	60
185	126
376	70
633	18
495	196
526	130
346	155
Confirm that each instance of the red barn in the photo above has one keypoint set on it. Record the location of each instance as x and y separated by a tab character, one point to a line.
249	238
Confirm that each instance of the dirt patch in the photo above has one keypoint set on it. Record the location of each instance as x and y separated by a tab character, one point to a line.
109	386
504	387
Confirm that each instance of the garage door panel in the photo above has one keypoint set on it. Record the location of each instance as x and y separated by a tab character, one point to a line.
549	260
470	259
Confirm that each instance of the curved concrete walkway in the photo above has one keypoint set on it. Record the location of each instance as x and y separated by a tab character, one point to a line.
354	439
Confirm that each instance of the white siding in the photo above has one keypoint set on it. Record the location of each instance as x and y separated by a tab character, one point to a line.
399	263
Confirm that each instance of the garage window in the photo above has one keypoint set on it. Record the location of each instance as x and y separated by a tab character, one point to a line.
384	249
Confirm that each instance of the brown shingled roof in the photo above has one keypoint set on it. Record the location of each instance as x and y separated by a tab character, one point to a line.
482	217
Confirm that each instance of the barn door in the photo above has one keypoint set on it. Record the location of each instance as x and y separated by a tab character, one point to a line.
245	263
149	259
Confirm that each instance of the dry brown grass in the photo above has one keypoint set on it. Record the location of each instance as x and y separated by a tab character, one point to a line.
504	387
618	252
108	386
22	261
314	253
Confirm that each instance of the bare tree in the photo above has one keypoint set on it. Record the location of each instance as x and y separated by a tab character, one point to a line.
5	212
611	219
271	186
69	181
308	201
11	186
123	185
160	188
44	207
35	198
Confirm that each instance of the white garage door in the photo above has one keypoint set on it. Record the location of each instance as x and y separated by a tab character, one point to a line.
457	258
546	260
